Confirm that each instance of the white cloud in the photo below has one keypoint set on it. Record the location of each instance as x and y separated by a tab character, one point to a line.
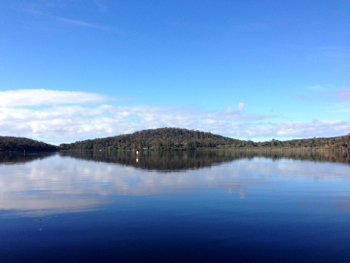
288	130
64	124
54	181
240	106
67	123
75	122
37	97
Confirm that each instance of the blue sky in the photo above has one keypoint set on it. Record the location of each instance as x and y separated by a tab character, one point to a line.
73	70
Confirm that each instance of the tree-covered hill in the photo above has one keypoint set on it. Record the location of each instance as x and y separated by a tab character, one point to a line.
171	139
8	143
178	139
175	138
163	138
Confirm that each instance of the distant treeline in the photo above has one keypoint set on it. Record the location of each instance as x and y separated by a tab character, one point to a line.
8	143
335	142
182	139
171	139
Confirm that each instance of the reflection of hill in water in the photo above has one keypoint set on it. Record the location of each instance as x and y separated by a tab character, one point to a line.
20	157
175	161
69	184
326	156
159	160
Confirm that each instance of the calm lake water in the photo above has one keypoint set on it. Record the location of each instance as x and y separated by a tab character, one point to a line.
174	207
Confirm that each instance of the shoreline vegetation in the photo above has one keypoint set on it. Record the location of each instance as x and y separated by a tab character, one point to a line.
10	143
176	139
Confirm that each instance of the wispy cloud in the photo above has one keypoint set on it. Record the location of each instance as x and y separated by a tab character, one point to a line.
42	9
80	23
343	94
316	92
37	97
249	27
316	88
100	6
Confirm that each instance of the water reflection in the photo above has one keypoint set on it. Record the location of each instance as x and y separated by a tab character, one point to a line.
82	181
174	161
21	157
165	161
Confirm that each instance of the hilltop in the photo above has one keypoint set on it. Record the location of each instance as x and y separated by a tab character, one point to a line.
8	143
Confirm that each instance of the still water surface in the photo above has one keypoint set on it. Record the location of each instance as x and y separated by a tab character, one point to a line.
174	207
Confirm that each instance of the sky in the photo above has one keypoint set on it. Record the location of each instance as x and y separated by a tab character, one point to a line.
254	70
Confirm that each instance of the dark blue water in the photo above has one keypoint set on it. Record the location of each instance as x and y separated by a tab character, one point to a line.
173	207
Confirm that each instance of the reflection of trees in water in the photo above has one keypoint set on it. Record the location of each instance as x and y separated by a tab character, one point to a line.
20	157
325	156
172	160
159	160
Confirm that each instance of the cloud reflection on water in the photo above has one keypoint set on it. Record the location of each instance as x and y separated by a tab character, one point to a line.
66	184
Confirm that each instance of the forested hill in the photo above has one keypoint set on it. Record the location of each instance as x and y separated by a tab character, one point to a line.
176	139
20	144
172	139
163	138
